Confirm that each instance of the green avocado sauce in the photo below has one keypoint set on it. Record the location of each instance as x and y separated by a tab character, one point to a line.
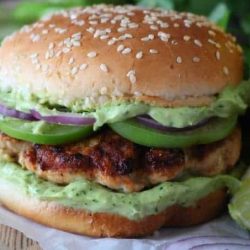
232	100
93	197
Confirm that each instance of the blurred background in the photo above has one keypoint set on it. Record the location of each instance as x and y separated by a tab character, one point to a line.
231	15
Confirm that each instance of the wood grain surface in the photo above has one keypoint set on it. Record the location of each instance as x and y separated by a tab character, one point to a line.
11	239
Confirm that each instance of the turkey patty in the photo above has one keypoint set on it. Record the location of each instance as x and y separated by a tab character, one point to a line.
111	160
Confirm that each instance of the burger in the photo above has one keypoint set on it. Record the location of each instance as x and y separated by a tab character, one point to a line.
117	121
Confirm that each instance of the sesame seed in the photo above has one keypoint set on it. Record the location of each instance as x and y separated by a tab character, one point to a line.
196	59
148	38
34	55
238	47
90	30
132	79
153	27
77	35
71	60
99	33
104	68
226	70
145	39
38	66
127	36
137	93
151	36
51	46
104	20
174	42
234	38
187	23
131	76
83	66
92	17
45	68
76	43
104	37
39	25
34	60
92	54
66	50
211	41
163	36
179	59
139	55
186	38
133	25
164	25
52	26
93	22
198	43
72	16
164	39
74	70
59	53
217	54
199	24
217	45
126	51
153	51
120	48
35	37
60	31
45	32
47	55
131	72
176	25
111	41
103	90
211	33
121	29
130	13
78	22
108	30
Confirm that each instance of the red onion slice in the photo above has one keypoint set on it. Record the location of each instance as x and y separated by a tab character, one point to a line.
67	119
11	112
148	121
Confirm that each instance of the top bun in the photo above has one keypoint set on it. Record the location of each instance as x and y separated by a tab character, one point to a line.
104	53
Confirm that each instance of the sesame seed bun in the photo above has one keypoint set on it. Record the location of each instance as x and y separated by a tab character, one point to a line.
103	53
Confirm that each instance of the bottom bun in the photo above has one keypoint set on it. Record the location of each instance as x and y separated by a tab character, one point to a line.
105	224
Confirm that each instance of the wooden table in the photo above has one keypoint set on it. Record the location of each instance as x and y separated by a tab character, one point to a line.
11	239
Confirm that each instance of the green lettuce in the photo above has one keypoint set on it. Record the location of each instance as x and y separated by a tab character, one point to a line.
239	207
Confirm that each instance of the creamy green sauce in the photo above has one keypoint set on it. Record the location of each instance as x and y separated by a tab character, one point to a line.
231	101
96	198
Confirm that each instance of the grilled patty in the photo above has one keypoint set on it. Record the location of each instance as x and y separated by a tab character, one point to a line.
119	164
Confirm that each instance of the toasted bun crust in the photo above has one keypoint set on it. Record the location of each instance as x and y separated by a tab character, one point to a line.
104	53
109	225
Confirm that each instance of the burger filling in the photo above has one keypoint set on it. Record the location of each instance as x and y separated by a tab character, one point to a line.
143	160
